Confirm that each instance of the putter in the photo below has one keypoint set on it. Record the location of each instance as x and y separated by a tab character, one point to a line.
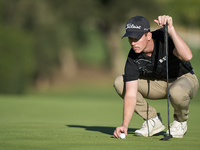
166	49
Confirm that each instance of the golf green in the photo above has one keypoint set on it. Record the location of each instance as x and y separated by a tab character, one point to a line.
83	119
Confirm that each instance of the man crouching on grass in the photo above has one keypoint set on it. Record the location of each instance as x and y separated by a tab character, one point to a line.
145	77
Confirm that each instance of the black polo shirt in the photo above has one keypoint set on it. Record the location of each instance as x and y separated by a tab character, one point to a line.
141	65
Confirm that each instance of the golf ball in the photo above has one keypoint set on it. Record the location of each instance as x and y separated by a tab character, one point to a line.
122	136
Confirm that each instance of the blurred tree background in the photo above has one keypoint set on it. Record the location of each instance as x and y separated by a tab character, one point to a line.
50	42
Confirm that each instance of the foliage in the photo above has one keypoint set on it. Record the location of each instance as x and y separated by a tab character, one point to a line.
16	60
89	29
185	12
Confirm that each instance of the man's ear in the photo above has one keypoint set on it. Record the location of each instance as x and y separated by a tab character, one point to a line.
149	36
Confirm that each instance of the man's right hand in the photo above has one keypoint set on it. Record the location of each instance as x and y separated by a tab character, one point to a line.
119	130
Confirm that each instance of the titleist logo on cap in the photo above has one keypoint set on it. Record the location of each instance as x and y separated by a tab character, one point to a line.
132	26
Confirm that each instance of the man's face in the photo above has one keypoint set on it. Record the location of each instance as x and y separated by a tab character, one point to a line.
138	45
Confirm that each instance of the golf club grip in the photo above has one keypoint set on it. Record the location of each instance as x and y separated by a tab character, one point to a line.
166	48
166	38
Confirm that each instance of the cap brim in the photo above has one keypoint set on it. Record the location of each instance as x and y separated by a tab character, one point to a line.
135	35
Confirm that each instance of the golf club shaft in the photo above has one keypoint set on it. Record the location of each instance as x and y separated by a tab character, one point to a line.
167	70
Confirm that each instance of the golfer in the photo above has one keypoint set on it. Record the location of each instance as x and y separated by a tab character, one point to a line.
145	77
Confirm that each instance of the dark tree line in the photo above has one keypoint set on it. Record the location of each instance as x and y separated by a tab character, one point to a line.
41	39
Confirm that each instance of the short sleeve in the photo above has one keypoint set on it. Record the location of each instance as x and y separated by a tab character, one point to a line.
131	71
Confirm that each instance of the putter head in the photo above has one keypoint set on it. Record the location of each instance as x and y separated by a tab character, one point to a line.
167	138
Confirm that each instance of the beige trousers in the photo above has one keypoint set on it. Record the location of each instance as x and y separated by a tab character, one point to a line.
181	91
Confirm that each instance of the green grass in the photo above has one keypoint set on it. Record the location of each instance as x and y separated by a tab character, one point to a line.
85	117
82	118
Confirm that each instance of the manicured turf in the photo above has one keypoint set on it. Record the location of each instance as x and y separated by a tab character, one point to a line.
83	118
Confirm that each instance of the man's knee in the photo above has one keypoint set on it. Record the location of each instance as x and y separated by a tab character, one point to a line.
119	85
179	97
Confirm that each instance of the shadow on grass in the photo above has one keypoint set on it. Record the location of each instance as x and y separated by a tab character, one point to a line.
107	130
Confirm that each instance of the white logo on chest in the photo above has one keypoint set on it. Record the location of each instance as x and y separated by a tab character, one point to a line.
162	59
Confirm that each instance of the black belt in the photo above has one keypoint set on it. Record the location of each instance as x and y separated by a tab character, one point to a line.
192	72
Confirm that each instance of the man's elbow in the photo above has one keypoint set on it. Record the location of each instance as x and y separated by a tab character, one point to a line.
189	57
